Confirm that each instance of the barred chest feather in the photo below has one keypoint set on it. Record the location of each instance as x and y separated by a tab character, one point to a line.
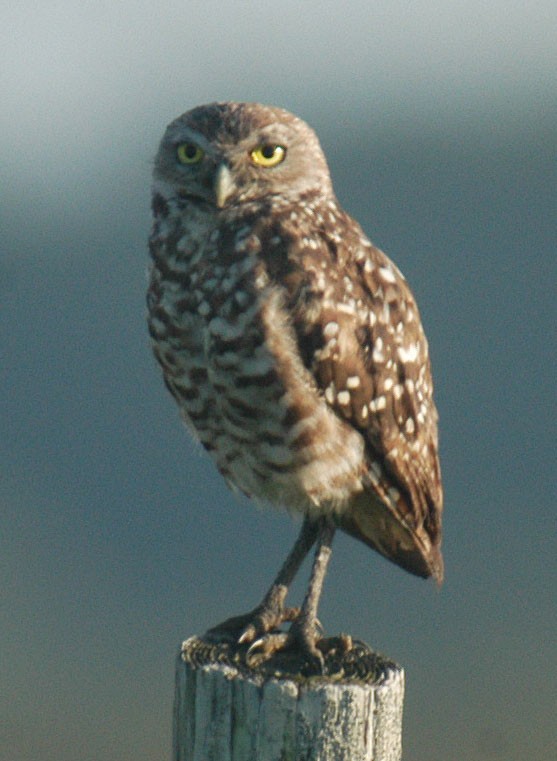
224	339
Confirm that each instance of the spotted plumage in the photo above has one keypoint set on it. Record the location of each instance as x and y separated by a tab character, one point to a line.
293	347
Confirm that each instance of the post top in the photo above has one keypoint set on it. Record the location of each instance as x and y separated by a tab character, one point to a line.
347	661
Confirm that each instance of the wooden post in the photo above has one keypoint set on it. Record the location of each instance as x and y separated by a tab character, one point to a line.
225	710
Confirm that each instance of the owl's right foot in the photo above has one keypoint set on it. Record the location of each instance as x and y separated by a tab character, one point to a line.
266	618
272	612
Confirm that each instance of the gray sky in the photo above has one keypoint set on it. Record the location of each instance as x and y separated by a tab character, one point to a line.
91	69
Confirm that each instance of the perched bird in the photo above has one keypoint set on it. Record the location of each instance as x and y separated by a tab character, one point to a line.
293	348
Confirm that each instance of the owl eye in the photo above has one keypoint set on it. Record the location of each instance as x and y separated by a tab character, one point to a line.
189	153
268	155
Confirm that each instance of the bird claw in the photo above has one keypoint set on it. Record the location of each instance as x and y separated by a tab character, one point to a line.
244	630
265	621
247	636
298	639
265	647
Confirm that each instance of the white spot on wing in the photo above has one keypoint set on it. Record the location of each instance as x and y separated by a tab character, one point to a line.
387	274
378	404
377	354
409	354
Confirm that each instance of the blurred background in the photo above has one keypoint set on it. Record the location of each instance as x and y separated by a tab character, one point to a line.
118	538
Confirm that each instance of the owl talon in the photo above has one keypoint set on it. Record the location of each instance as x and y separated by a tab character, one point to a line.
243	630
265	621
265	647
247	636
297	639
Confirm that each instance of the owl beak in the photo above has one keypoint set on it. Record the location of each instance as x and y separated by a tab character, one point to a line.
223	186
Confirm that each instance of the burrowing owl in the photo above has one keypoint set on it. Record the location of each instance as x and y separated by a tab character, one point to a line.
293	348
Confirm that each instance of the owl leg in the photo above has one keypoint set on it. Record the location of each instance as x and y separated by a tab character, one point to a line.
304	631
271	612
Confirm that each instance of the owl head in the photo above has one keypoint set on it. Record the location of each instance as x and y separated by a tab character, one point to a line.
224	154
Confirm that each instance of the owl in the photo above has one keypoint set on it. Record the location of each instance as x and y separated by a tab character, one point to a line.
294	350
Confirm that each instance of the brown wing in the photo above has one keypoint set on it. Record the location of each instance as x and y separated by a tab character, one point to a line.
360	333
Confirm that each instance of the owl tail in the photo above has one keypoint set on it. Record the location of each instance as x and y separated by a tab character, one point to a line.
373	523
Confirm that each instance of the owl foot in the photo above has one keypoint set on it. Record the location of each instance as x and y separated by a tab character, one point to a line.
302	640
261	621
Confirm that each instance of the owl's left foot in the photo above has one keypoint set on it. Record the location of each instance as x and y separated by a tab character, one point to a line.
304	643
303	639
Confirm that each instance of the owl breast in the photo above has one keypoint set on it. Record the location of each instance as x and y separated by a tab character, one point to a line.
222	333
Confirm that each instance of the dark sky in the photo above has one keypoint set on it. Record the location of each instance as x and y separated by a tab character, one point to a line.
118	537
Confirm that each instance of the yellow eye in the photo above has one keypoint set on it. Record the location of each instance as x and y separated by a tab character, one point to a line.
268	155
189	153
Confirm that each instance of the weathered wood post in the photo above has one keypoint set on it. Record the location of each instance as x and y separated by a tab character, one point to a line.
225	710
